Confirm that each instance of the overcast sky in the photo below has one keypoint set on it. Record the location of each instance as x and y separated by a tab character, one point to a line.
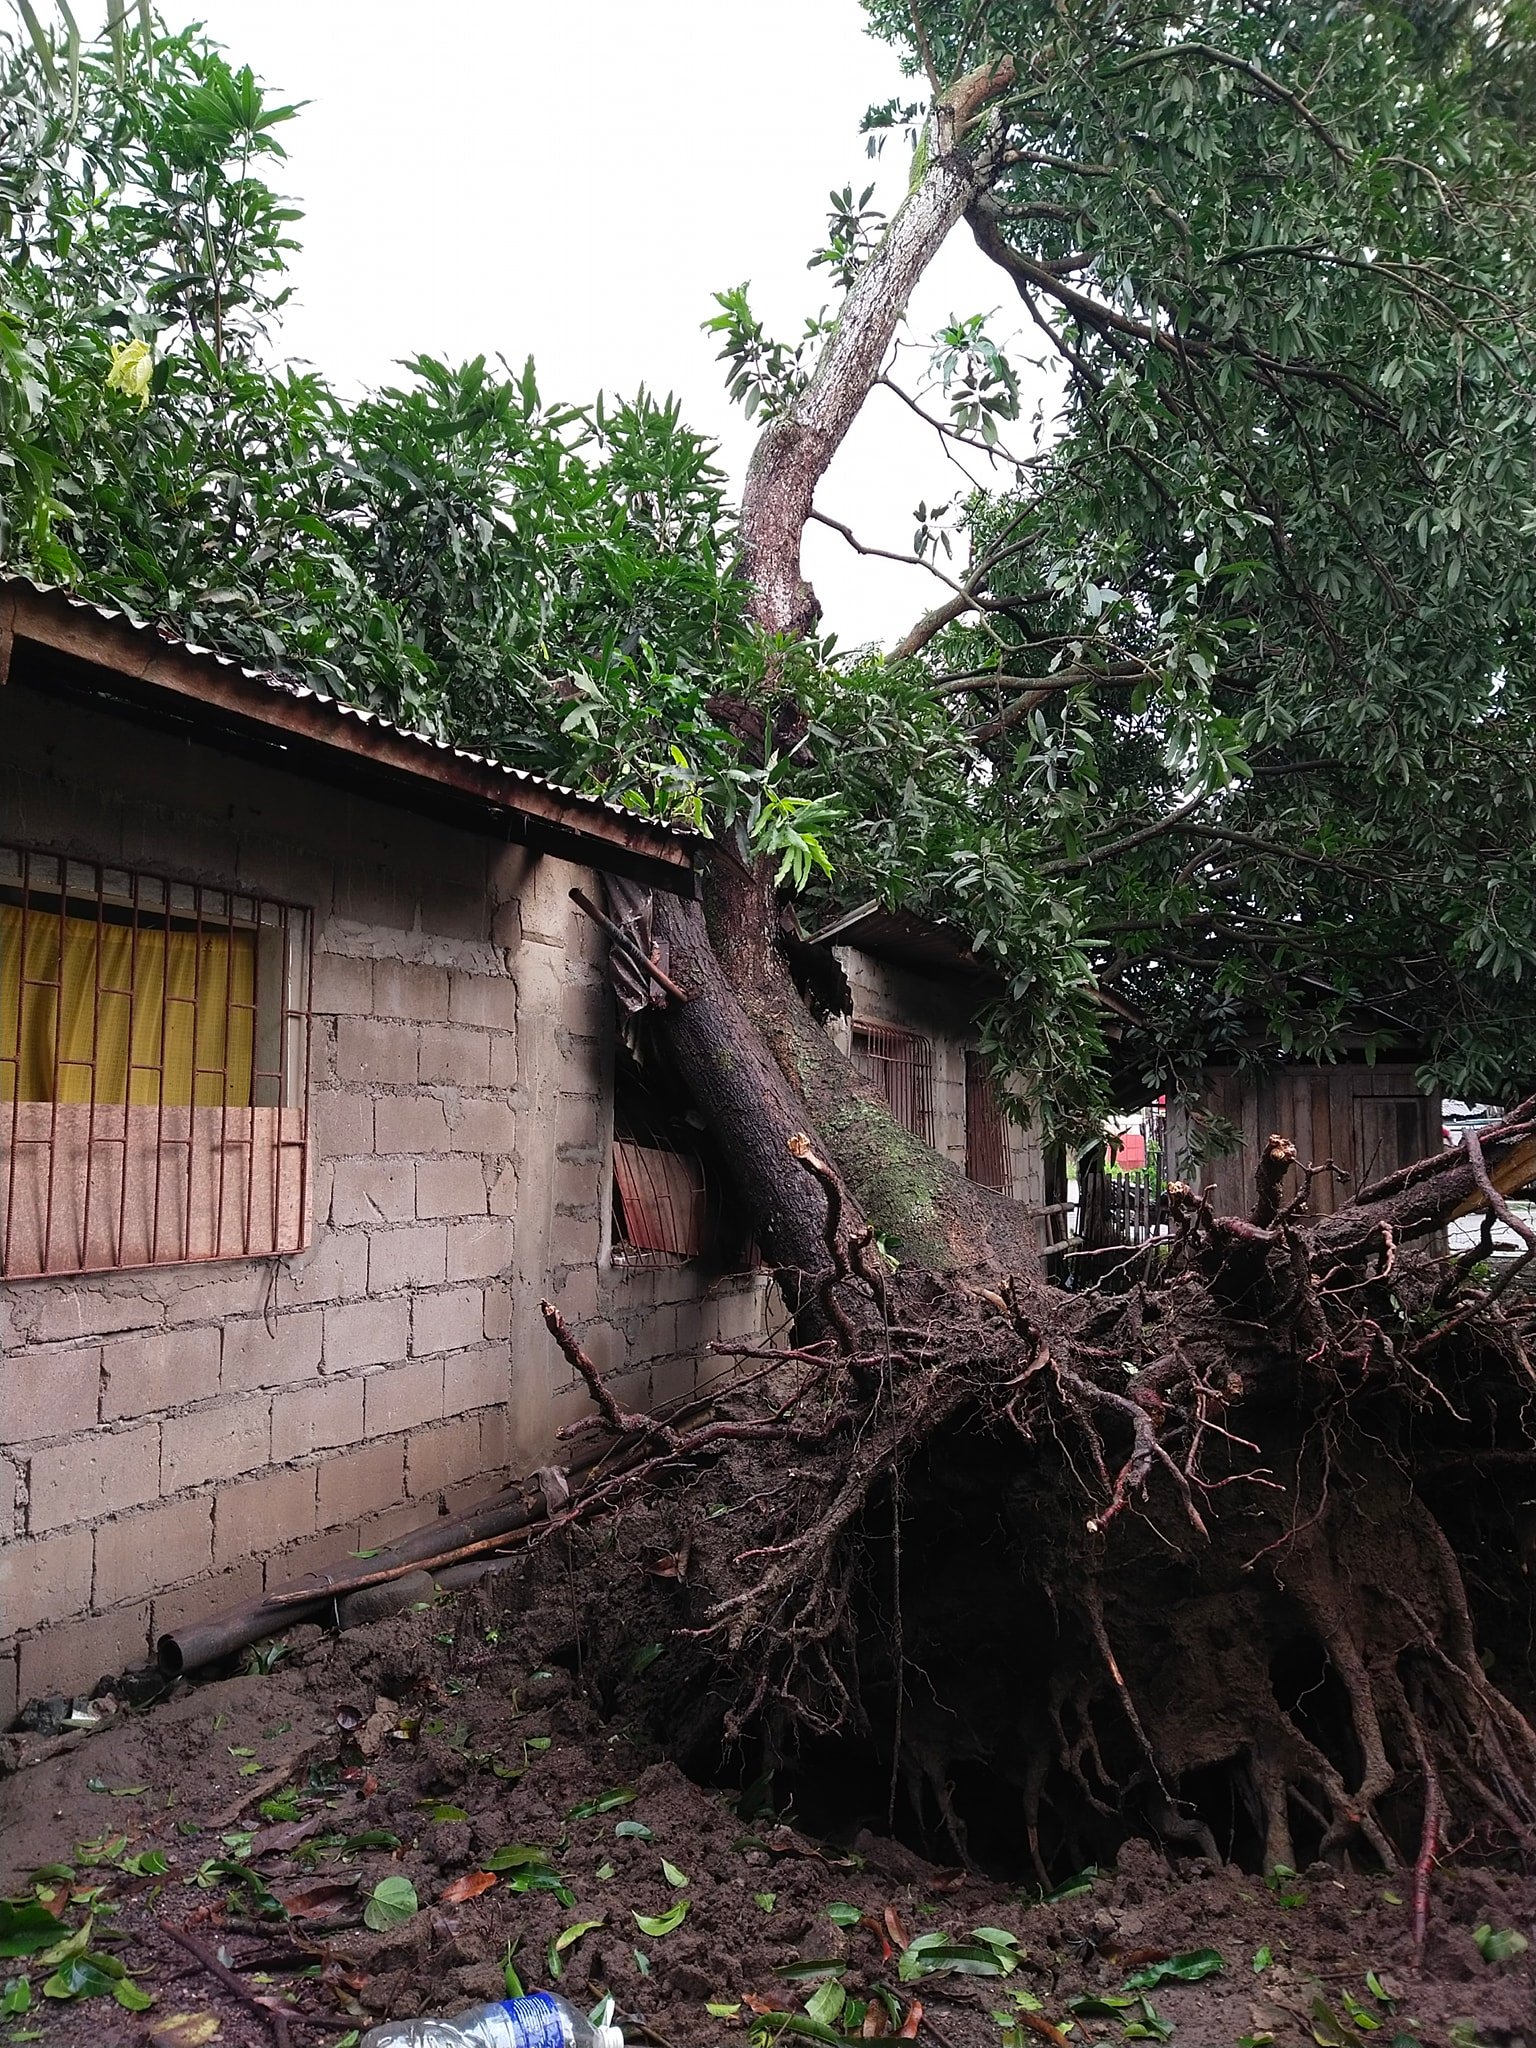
574	181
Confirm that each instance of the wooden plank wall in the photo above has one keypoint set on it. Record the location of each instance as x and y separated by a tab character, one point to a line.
1368	1120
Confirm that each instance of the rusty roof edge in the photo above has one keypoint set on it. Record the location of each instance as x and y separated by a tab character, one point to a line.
672	844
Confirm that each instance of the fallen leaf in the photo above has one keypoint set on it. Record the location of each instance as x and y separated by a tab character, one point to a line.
320	1900
756	2004
469	1886
913	2020
1037	2023
184	2030
897	1928
273	1841
877	2021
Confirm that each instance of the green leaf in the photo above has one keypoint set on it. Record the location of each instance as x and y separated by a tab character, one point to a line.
436	1812
1188	1967
826	2005
604	1871
767	1900
150	1864
722	2012
1263	1957
1499	1945
79	1977
390	1904
642	1961
841	1914
632	1830
26	1929
621	1795
570	1935
659	1924
673	1875
823	1966
518	1856
132	1995
16	1998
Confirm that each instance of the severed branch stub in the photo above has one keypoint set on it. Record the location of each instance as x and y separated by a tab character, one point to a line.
626	945
620	1420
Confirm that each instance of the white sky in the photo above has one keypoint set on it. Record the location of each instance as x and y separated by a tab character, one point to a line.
574	181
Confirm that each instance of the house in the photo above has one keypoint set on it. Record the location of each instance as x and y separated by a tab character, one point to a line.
1368	1118
307	1096
917	991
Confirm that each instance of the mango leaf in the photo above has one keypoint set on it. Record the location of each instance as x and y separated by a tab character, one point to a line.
605	1802
841	1914
16	1998
797	1972
78	1977
186	2030
675	1877
469	1886
719	2011
939	1954
570	1935
1102	2005
826	2004
642	1961
662	1923
1263	1957
632	1830
518	1856
392	1902
770	2025
25	1929
132	1996
1151	2026
604	1871
1188	1967
150	1864
1499	1944
438	1812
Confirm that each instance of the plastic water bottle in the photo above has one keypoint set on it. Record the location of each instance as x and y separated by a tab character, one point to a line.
538	2021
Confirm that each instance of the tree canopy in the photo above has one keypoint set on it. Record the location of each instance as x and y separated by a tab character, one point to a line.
1221	735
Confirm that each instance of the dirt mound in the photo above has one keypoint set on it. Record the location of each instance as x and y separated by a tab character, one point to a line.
286	1808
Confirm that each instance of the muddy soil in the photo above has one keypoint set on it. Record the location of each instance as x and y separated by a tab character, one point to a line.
424	1749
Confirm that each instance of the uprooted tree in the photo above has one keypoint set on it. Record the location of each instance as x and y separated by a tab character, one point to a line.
1222	731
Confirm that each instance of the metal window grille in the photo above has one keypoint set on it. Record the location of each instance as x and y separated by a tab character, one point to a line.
662	1211
987	1157
900	1064
154	1056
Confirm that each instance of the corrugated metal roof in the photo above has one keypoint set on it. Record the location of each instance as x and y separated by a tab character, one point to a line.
157	674
919	943
291	686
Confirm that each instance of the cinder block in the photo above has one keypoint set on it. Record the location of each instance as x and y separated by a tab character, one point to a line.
371	1050
208	1596
495	1441
371	1190
316	1418
164	1369
216	1442
455	1054
476	1379
448	1321
437	1458
404	989
360	1483
403	1397
48	1393
94	1474
343	985
360	1333
240	1291
498	1313
577	1292
262	1354
504	1188
480	1250
503	1060
77	1653
410	1123
341	1122
68	1310
450	1187
576	1124
578	1183
10	1688
486	1124
485	999
412	1255
335	1268
44	1580
259	1515
657	1335
138	1554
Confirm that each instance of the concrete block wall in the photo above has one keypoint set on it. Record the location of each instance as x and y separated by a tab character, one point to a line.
943	1013
175	1438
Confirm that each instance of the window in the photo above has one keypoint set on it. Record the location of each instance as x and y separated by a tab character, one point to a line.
671	1204
154	1046
987	1157
900	1065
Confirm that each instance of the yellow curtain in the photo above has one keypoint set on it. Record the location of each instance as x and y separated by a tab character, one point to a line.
157	1015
